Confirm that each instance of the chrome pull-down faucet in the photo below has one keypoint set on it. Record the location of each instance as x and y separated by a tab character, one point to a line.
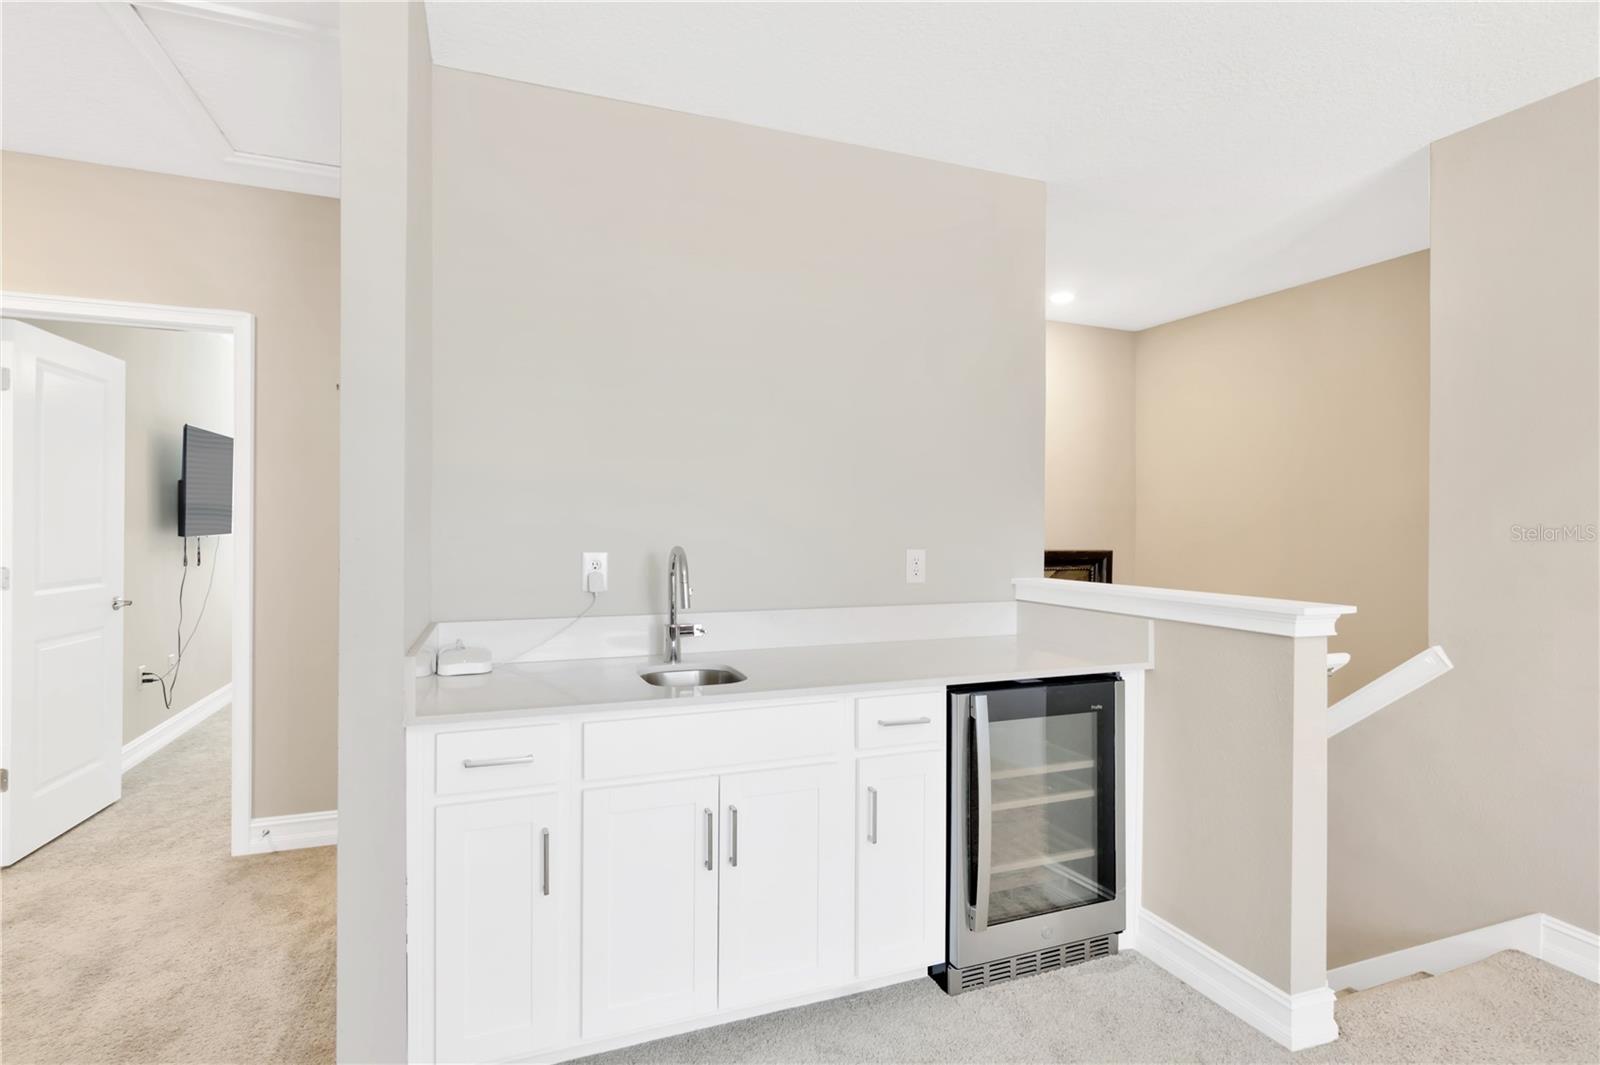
678	587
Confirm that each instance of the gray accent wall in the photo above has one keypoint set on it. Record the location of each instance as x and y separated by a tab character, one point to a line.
796	358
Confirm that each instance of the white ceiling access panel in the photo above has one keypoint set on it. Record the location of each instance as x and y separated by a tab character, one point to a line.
247	93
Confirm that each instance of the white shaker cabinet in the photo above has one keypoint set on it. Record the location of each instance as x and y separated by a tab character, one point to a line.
649	905
900	862
499	918
586	881
786	907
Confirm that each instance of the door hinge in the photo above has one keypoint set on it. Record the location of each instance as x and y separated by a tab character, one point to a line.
5	780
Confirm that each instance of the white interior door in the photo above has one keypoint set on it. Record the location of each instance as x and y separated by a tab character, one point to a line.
62	656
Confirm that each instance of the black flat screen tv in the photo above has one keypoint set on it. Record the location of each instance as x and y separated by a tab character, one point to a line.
205	493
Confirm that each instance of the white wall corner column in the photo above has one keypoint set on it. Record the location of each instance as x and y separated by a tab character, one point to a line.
384	370
1233	833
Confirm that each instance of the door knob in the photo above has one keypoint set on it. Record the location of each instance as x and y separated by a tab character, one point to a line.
118	604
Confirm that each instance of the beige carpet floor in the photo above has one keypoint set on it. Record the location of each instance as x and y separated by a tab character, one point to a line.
137	938
1508	1008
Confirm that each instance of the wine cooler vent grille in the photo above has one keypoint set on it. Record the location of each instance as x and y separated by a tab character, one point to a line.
1030	964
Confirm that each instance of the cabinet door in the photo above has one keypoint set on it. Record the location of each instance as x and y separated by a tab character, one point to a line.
900	863
786	880
649	905
498	920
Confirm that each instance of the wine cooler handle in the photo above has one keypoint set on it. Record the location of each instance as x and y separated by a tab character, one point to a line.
978	913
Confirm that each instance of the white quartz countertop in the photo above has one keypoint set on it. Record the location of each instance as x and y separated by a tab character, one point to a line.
530	689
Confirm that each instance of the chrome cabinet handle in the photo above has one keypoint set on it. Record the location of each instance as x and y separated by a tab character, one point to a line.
118	604
710	838
905	721
544	846
872	815
733	835
485	763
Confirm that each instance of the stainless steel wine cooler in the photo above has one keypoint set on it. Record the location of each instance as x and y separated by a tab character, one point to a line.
1036	835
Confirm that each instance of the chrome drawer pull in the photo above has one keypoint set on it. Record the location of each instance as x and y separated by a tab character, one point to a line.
905	721
733	836
710	845
872	815
544	846
485	763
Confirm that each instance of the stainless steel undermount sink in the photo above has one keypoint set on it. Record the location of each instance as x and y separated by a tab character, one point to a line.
680	675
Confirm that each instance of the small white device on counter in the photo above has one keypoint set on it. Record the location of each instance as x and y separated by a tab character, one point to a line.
463	661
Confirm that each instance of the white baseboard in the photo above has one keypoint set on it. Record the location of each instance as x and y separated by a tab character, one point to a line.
1539	935
143	746
1569	947
293	831
1294	1021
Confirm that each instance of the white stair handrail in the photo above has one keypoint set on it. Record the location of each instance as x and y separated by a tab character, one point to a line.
1396	684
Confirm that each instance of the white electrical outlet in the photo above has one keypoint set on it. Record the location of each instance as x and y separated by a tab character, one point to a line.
594	571
916	565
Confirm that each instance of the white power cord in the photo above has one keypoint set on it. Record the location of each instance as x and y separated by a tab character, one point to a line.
594	597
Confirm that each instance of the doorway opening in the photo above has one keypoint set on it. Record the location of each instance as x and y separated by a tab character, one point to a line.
108	405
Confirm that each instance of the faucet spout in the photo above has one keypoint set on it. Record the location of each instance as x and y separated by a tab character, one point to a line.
679	595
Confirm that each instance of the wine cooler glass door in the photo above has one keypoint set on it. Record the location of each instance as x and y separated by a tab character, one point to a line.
1041	785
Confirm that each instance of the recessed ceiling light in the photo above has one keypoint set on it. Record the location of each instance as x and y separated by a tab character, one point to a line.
1061	299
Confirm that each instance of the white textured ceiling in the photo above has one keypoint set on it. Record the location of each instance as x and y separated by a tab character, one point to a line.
247	93
1196	155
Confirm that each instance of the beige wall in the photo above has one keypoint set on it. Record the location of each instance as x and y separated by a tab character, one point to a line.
1236	786
1476	800
172	378
796	358
1282	450
385	466
1089	442
76	229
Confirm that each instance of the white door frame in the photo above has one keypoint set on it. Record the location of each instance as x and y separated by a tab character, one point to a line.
241	326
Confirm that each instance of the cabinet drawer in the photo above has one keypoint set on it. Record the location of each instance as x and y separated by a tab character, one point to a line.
689	742
500	758
900	720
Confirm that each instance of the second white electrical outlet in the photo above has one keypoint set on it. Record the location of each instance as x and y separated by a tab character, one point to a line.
594	571
916	565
